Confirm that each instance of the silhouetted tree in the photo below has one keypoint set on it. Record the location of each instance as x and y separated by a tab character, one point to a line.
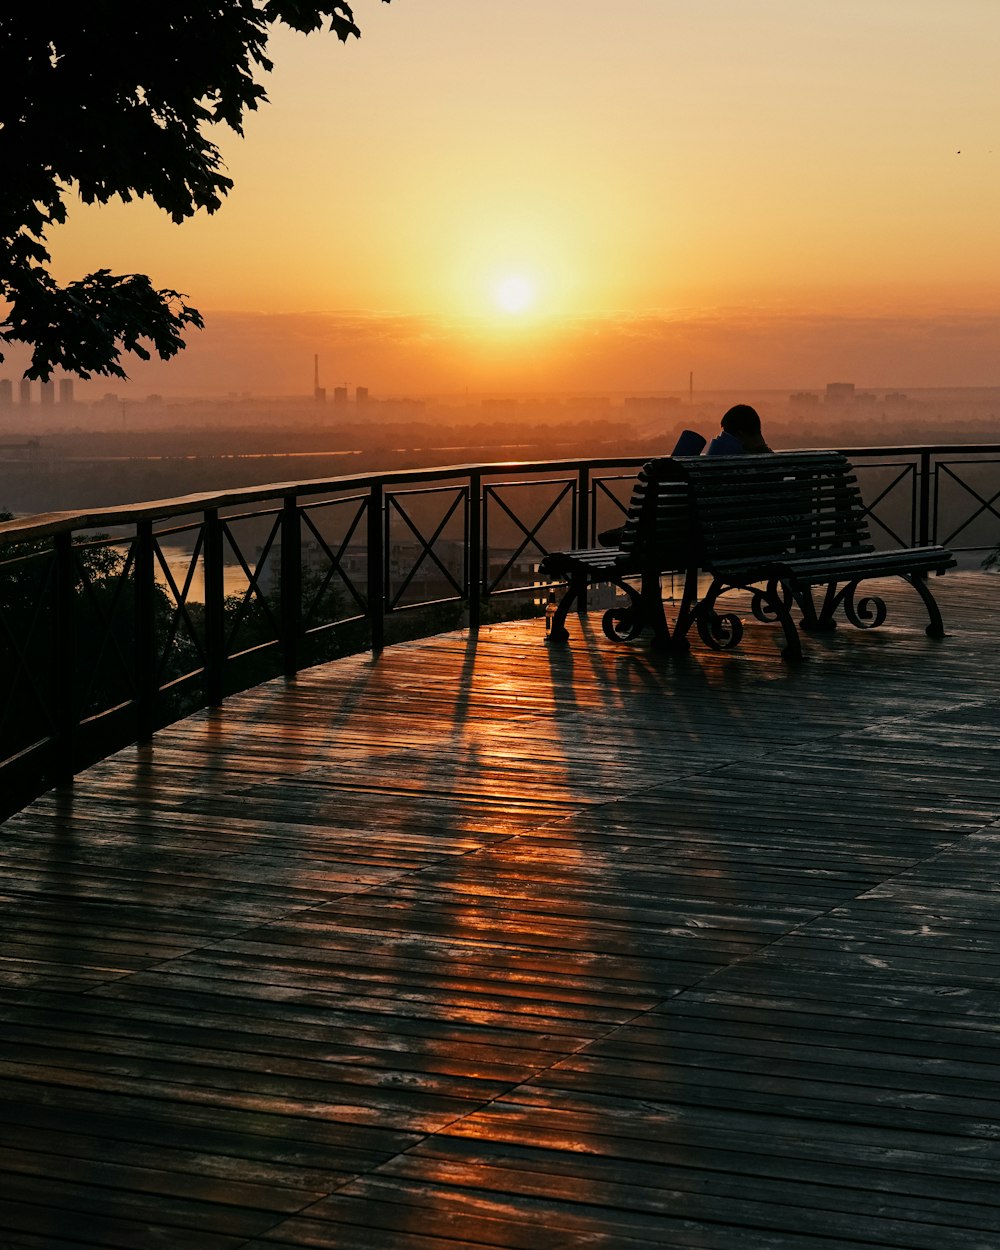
114	99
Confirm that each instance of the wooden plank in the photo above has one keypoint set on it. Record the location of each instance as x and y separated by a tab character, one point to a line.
481	944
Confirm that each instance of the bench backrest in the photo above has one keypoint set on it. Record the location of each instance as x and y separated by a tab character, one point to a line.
657	526
763	507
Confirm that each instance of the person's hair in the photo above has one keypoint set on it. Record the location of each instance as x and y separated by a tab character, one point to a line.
743	421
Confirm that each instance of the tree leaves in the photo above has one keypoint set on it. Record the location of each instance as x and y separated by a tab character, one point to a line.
97	318
112	99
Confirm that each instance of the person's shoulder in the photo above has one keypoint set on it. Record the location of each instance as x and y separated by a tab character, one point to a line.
725	445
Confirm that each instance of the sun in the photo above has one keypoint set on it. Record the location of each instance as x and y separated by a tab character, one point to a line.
515	293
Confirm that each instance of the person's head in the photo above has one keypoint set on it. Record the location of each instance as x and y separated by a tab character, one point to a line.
742	422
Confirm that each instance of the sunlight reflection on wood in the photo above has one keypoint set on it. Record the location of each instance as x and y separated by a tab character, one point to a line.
481	943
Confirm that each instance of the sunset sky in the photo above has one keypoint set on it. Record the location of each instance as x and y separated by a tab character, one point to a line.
580	195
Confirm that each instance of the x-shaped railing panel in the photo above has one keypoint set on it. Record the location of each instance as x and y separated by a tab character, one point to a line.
393	507
182	597
254	590
565	488
986	507
907	473
601	490
310	615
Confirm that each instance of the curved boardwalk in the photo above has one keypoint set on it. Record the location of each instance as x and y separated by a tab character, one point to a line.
484	944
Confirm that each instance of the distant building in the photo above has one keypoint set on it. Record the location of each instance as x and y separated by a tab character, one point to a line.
6	393
319	394
66	392
839	392
361	395
894	398
803	399
47	393
340	394
24	391
108	403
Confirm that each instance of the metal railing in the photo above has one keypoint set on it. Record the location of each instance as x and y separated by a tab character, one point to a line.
116	622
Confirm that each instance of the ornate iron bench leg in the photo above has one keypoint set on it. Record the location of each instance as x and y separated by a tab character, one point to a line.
722	631
625	624
918	581
686	613
780	594
652	597
645	607
557	631
823	621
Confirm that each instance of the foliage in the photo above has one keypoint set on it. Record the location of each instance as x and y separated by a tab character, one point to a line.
114	99
104	638
24	565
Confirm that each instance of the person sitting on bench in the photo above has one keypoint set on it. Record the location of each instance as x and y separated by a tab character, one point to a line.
741	434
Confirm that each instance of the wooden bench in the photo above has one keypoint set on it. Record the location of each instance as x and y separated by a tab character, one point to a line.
654	541
780	526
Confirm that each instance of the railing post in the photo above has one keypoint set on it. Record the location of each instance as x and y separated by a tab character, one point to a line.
377	557
583	521
65	659
924	516
484	537
291	584
582	538
475	553
147	686
215	612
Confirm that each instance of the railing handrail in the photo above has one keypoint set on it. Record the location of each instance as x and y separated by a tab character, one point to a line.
45	525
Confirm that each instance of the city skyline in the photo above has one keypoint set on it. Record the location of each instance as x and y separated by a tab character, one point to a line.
274	354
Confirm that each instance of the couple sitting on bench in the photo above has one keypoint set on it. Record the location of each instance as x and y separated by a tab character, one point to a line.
740	436
789	528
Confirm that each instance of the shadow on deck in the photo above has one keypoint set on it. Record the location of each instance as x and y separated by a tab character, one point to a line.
487	944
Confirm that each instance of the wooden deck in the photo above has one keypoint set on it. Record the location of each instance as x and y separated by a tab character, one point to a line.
487	944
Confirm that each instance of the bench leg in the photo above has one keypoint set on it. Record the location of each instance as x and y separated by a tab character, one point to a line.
772	603
686	613
868	612
645	608
625	624
722	631
782	594
557	631
823	621
918	581
652	600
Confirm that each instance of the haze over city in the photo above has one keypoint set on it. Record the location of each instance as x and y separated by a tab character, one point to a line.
563	197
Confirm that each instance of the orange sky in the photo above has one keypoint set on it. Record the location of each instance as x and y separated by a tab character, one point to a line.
793	191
